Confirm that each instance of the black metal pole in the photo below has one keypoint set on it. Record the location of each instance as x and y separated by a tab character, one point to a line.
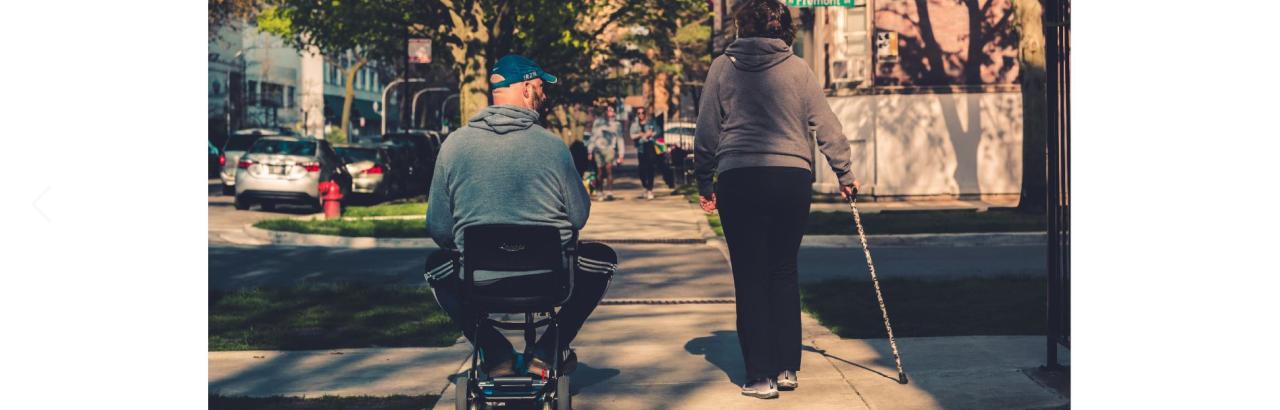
1051	22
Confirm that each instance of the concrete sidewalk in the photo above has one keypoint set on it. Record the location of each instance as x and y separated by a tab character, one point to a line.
644	355
681	357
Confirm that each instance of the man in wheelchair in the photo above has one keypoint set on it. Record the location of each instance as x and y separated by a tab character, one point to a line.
502	168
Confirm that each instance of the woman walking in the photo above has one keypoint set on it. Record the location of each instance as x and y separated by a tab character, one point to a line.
752	140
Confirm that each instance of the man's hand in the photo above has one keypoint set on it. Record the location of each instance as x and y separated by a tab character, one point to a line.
708	203
619	162
848	192
589	156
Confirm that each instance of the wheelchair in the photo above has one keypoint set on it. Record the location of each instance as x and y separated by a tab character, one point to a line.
516	248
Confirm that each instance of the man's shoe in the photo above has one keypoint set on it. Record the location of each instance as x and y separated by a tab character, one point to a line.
763	388
788	380
539	368
648	194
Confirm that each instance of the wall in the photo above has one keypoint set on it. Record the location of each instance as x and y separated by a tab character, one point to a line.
931	144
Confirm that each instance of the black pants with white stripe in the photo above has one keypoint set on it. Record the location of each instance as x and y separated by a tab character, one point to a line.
596	262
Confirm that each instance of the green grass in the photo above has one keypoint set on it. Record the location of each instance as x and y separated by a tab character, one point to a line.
963	307
908	222
379	228
387	209
396	402
690	193
714	221
327	317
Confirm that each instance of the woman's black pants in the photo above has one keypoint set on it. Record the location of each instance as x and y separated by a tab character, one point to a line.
649	159
763	211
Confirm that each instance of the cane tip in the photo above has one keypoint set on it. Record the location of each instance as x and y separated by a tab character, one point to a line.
902	378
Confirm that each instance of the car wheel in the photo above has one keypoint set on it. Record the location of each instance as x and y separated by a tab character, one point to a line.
228	190
241	205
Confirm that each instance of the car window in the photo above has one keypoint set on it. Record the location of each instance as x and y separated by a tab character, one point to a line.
241	142
284	147
350	155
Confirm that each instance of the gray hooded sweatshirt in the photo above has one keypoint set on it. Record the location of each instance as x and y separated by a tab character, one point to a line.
758	106
502	168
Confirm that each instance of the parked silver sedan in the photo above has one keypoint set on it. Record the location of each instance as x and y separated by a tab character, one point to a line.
237	143
372	170
282	169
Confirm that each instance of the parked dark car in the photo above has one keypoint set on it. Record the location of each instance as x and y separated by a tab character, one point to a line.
422	147
374	169
215	156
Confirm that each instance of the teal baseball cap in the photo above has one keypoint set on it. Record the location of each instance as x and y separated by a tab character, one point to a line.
514	68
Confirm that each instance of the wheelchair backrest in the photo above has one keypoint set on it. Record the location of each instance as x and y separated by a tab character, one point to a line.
512	248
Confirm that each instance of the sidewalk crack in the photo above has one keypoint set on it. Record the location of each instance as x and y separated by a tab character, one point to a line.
813	342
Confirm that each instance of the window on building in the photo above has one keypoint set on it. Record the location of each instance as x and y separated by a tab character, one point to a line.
850	59
251	92
289	101
273	94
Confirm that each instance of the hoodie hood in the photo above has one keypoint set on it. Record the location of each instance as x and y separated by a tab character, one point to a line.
502	119
757	53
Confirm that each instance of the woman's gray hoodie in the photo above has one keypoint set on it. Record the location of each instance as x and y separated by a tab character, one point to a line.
757	108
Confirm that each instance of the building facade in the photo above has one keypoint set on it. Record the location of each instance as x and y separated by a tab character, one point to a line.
927	91
256	80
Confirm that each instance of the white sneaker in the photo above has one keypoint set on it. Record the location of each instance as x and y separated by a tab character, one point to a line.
648	194
787	380
763	388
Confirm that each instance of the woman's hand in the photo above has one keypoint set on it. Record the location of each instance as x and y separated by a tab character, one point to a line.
708	203
848	192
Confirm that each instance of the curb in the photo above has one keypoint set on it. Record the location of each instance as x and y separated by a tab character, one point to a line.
333	241
928	239
282	238
708	237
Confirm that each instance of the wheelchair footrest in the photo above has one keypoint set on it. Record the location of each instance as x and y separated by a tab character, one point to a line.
513	388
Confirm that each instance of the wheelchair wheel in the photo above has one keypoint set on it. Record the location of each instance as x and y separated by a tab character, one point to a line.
462	394
564	401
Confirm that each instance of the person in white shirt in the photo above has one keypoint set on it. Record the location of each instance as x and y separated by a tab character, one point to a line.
607	149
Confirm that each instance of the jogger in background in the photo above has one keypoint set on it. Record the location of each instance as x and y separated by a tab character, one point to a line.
758	105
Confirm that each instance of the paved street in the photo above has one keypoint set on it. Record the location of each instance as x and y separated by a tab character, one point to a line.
923	262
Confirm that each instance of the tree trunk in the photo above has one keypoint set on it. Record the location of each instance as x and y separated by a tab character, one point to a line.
1031	49
348	97
468	18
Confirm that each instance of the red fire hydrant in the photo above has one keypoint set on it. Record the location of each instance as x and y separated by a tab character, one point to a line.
331	194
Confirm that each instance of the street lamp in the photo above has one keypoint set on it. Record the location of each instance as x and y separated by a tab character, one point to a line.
413	110
382	112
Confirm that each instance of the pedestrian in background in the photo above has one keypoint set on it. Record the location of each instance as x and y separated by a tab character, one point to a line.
651	152
752	139
607	149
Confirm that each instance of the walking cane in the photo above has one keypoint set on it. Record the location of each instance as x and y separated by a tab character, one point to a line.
862	237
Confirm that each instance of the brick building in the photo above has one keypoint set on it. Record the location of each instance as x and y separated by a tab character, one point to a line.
927	90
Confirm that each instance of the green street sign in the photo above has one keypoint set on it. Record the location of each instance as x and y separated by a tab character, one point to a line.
821	3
